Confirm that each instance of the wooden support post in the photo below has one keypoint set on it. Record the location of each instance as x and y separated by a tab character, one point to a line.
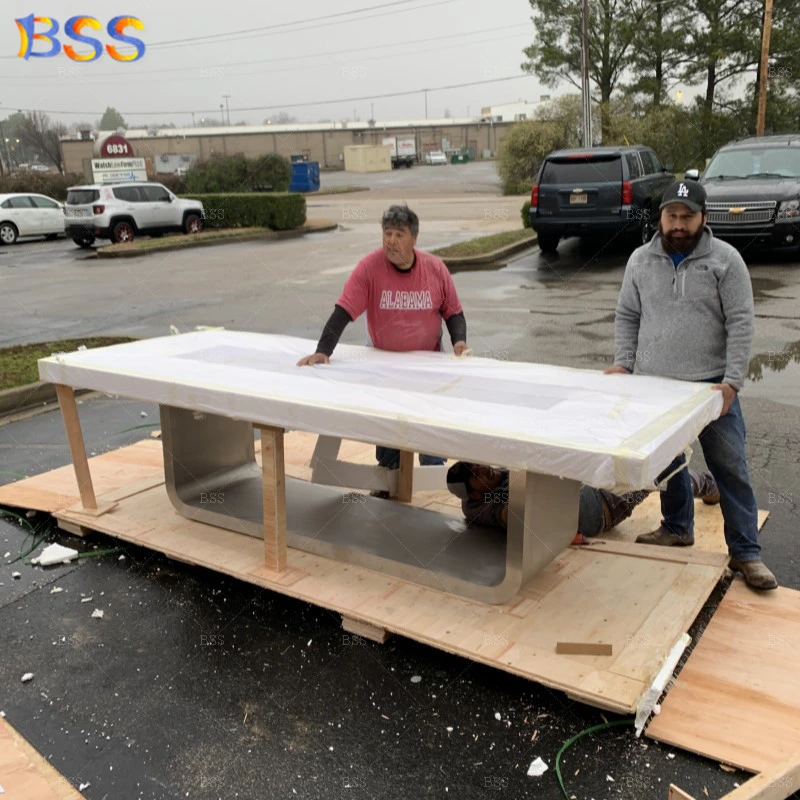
678	794
274	475
69	411
405	477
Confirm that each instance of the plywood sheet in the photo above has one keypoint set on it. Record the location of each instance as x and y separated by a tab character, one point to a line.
25	774
637	598
738	697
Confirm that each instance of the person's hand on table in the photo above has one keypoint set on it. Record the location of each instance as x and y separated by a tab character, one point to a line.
616	370
316	358
461	349
728	396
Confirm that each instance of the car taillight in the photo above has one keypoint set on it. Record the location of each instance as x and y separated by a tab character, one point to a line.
98	209
535	196
627	193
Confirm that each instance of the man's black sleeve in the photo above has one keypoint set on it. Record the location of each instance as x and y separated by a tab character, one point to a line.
457	327
333	330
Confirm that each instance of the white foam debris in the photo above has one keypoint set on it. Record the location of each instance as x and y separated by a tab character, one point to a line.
28	676
537	768
55	554
97	613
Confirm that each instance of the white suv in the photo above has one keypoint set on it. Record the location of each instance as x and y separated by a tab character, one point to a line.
121	211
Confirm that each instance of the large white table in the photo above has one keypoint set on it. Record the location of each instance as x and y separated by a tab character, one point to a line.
554	427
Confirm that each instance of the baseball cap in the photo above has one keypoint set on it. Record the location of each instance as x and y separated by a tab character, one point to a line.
690	193
458	479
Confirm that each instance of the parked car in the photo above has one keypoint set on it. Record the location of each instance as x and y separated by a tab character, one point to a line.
607	191
122	211
435	157
753	191
25	215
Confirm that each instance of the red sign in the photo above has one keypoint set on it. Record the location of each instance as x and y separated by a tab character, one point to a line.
116	147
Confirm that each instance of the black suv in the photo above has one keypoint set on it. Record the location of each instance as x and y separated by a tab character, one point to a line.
603	191
753	190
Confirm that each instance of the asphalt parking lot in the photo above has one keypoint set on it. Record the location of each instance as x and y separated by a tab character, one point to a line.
139	705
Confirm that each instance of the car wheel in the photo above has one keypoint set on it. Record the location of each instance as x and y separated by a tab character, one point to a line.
548	242
122	232
192	224
8	233
83	241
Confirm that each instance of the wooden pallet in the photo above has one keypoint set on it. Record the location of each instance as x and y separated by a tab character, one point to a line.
636	598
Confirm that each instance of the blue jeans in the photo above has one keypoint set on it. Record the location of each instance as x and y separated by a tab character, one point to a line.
389	458
723	447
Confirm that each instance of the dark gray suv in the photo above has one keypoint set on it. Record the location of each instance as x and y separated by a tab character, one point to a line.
753	190
605	191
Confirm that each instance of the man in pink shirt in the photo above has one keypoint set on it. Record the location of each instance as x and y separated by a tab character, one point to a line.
406	294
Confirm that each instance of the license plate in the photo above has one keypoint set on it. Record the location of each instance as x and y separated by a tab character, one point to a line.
76	212
578	198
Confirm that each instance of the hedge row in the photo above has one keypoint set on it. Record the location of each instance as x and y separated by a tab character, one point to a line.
52	184
277	211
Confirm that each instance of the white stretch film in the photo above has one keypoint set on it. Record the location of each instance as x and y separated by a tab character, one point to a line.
610	431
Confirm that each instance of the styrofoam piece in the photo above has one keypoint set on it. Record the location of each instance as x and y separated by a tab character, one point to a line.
538	767
609	431
54	554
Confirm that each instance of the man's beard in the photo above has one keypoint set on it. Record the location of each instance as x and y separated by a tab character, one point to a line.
683	245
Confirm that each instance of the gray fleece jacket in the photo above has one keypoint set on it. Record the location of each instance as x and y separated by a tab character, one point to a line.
692	322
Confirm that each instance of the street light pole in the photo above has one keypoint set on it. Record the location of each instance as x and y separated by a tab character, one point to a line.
426	103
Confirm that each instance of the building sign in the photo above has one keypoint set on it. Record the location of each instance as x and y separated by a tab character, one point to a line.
115	147
114	170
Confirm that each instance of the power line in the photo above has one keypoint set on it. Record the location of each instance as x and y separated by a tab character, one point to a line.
289	105
347	51
273	30
313	66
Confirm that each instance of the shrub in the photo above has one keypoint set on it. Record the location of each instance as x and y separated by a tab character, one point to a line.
52	184
526	220
277	211
522	152
239	174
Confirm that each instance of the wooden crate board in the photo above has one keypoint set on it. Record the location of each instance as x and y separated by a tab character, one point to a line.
738	697
26	774
638	598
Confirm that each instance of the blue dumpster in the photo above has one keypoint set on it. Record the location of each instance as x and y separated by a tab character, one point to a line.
305	176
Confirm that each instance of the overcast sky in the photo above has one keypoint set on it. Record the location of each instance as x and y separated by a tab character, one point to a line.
395	47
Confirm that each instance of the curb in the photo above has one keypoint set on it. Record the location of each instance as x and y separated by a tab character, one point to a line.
322	227
490	258
31	395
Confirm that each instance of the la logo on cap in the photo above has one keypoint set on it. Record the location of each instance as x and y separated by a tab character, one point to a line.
683	190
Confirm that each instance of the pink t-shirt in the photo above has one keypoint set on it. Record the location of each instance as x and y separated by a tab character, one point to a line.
404	309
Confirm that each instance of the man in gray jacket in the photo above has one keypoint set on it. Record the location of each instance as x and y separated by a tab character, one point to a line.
685	311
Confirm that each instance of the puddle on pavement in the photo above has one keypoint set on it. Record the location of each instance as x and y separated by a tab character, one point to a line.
776	375
491	267
763	285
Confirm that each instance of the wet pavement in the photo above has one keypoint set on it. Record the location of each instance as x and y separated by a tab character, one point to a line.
195	685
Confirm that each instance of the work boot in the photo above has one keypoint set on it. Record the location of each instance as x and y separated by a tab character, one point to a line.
705	487
665	538
756	574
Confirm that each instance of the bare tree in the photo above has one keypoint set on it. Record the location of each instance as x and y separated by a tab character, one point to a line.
40	132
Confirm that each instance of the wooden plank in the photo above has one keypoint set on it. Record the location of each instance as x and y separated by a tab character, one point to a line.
405	477
272	467
519	638
365	630
736	700
72	424
776	783
24	772
678	794
584	648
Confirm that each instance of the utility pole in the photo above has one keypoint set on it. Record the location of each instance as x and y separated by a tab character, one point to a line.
227	97
764	68
585	88
426	103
